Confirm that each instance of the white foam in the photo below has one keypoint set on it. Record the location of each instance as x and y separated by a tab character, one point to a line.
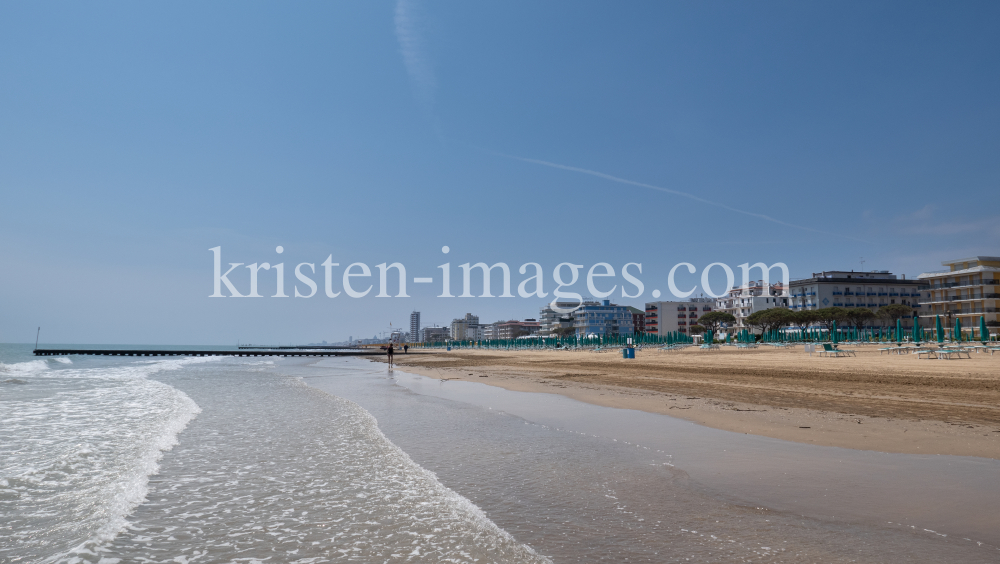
96	439
29	367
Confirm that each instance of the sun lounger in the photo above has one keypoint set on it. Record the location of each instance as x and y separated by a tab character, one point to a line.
831	350
953	353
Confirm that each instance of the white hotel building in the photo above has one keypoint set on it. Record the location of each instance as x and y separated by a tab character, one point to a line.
854	289
743	301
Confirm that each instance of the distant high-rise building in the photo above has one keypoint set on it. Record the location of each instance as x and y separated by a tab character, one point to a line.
415	326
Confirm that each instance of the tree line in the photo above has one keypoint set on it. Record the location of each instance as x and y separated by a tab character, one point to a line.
778	318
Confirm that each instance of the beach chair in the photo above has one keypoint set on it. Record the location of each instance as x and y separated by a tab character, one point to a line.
953	353
830	350
929	353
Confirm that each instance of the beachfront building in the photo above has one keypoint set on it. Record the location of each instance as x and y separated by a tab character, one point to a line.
844	289
553	323
435	334
513	329
466	328
743	301
638	320
602	319
491	330
662	318
968	290
414	326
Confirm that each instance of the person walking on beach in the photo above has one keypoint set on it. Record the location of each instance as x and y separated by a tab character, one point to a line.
389	351
406	348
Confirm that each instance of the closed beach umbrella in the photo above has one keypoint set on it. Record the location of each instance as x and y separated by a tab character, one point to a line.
984	333
957	335
899	330
939	330
833	332
916	329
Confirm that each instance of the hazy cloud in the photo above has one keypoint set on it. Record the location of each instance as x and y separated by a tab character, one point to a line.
411	47
676	193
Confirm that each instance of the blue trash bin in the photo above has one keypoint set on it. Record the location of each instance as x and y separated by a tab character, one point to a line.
631	352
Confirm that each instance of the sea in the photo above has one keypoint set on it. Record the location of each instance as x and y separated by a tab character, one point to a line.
302	460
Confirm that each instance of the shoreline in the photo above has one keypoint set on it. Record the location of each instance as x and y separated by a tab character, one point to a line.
876	403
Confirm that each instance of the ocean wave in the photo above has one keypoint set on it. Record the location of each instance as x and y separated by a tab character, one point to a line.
29	367
97	437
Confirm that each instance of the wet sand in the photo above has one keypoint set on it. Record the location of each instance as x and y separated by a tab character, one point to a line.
886	403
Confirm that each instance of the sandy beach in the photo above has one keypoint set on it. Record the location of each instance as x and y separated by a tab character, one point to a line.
887	403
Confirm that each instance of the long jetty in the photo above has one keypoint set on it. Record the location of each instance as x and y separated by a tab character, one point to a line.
161	352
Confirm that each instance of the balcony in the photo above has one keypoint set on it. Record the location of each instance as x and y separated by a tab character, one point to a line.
838	293
969	311
870	294
896	294
943	285
947	299
848	293
881	294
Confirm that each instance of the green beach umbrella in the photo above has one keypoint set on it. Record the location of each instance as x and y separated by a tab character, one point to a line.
939	330
833	332
916	330
984	333
899	330
957	335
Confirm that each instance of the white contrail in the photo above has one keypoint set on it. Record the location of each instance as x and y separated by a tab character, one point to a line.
674	192
411	48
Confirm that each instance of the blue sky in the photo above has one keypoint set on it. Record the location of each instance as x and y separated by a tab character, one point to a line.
136	136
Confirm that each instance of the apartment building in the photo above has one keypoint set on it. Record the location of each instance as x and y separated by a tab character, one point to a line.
665	317
551	322
970	288
435	334
602	319
743	301
466	328
638	319
513	329
414	326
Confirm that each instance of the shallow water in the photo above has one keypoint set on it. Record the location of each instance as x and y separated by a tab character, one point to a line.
550	471
241	460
